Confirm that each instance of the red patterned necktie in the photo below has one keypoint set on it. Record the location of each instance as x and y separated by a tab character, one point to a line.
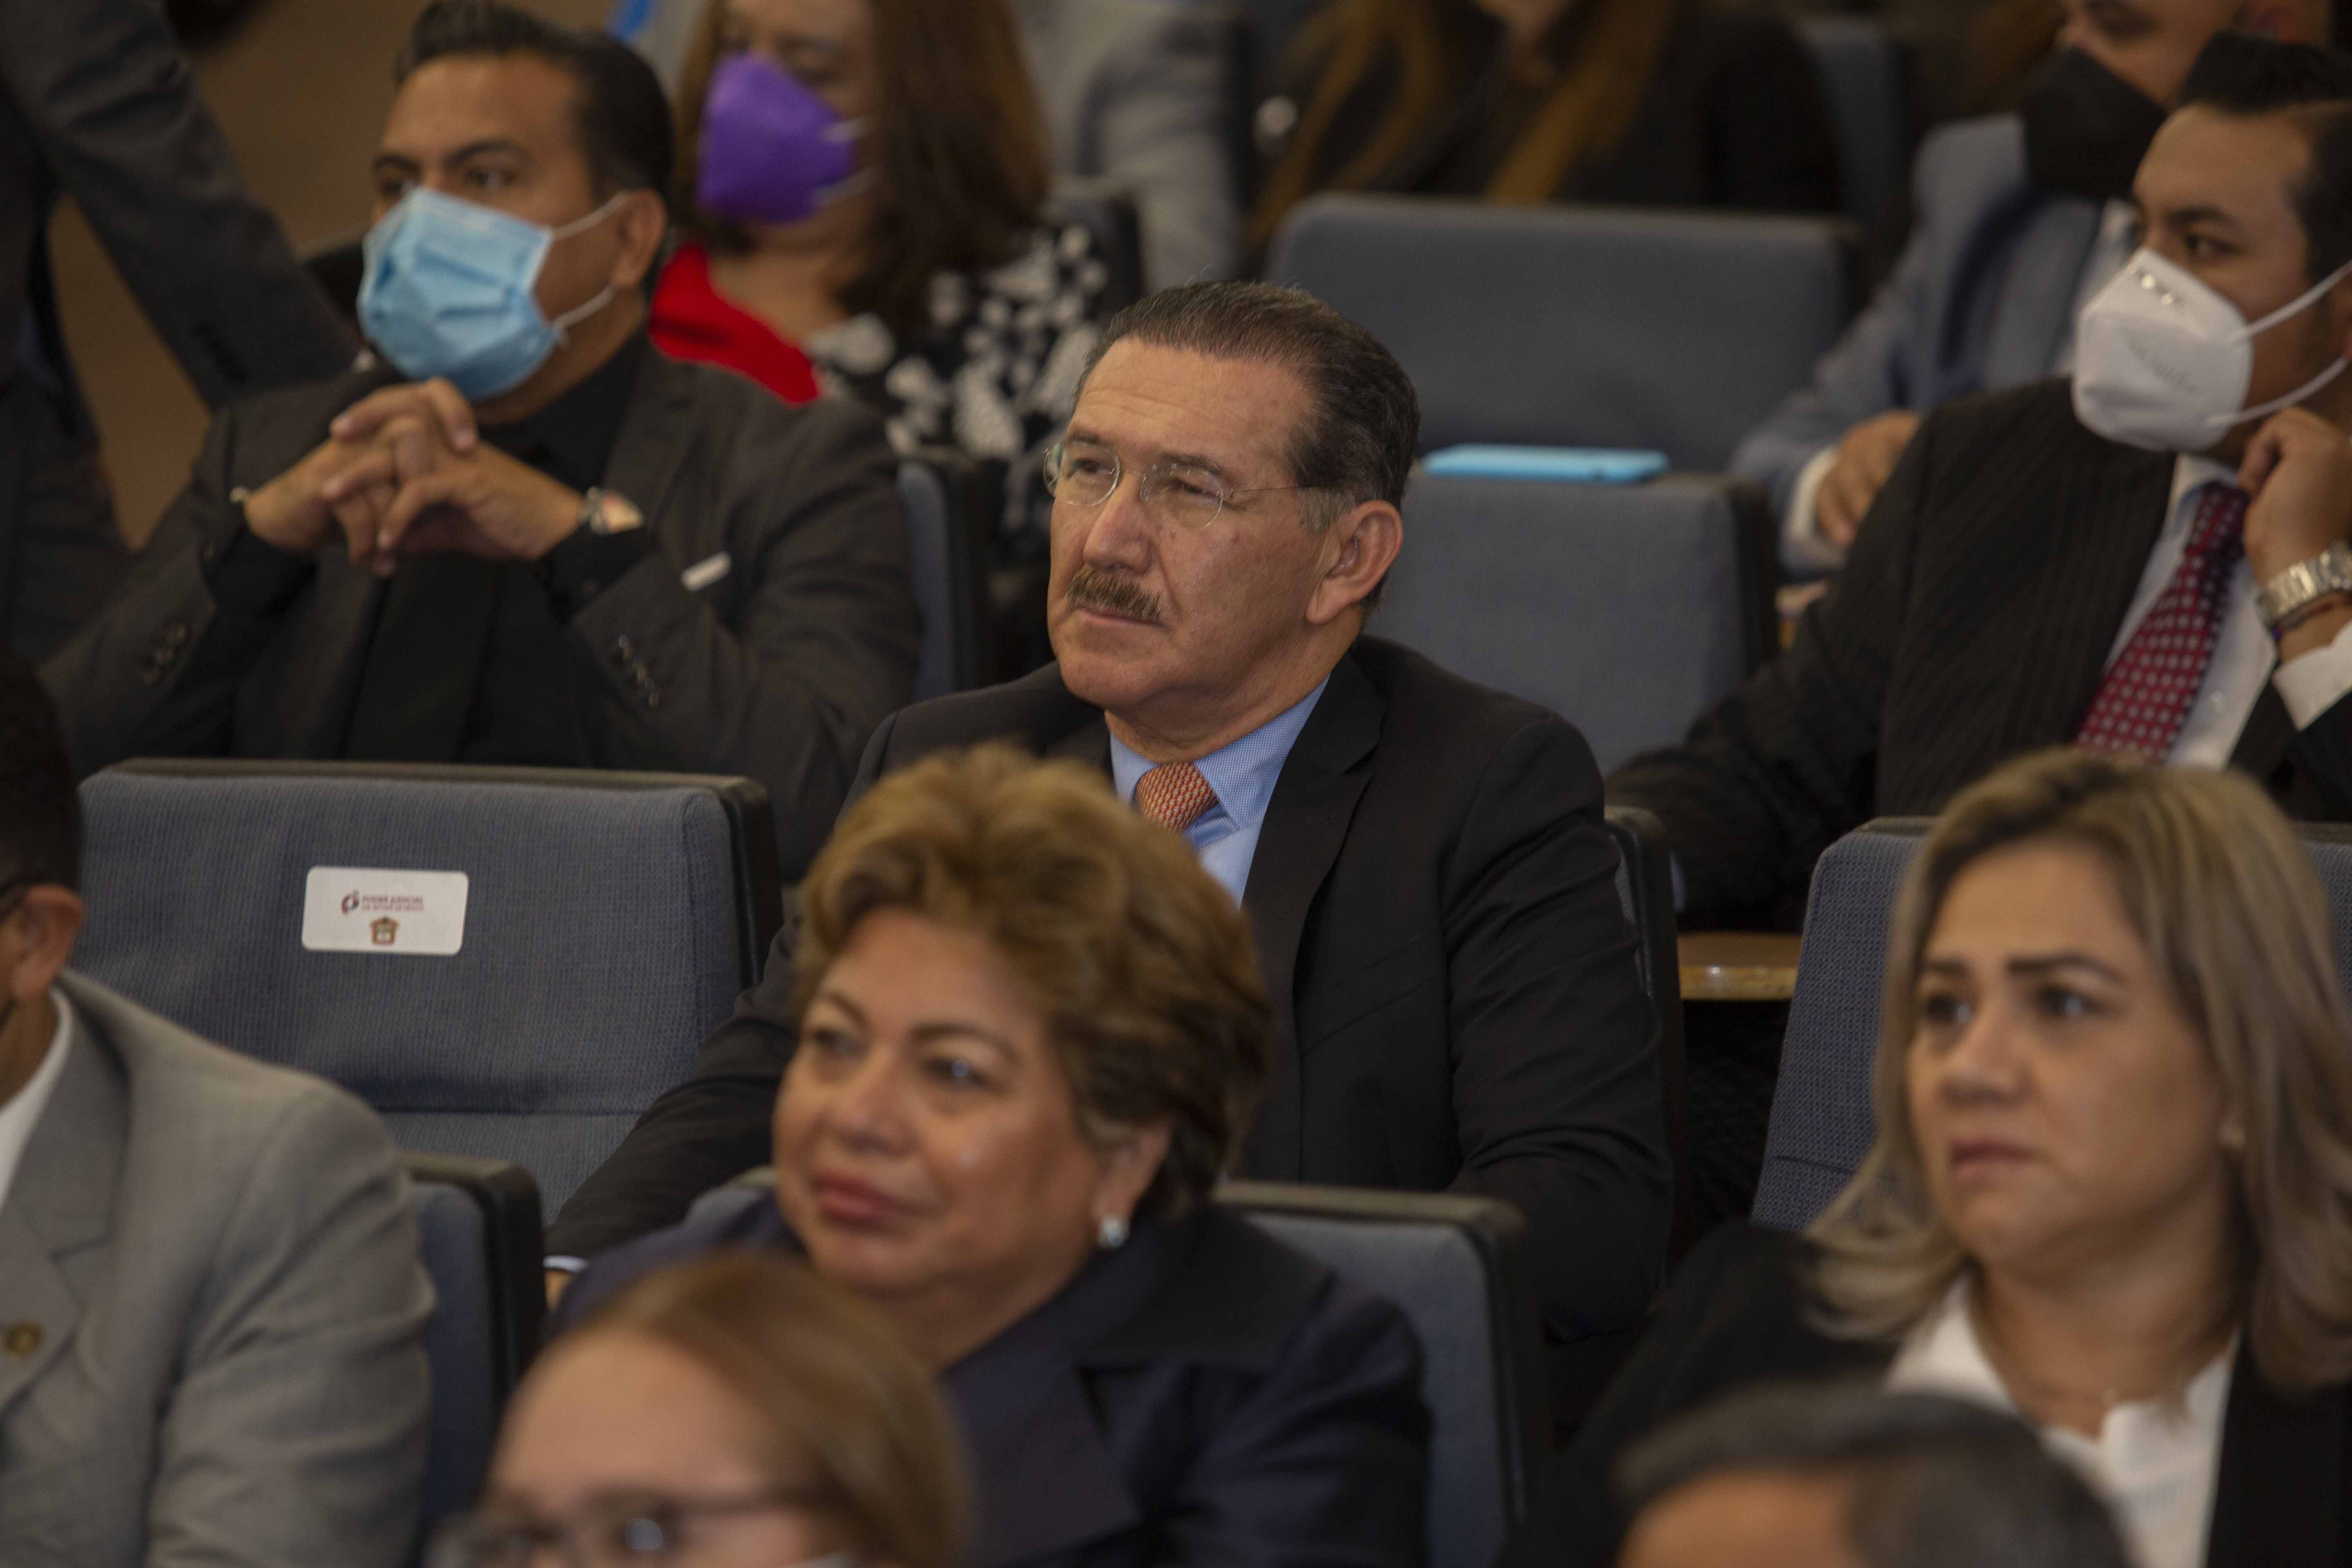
2148	691
1174	796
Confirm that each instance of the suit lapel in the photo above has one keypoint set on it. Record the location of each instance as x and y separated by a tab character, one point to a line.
2262	743
2107	513
2278	1498
62	1201
657	434
1306	823
1089	743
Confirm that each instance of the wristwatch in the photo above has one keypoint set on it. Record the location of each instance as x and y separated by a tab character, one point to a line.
2284	598
607	512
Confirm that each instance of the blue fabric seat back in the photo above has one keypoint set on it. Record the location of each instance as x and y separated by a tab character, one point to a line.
604	938
1453	1266
928	569
1581	326
1822	1122
1865	82
1627	609
460	1343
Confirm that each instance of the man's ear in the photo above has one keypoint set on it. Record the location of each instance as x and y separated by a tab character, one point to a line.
36	938
642	221
1359	548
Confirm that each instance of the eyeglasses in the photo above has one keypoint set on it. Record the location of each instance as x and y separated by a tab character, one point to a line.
641	1532
1086	474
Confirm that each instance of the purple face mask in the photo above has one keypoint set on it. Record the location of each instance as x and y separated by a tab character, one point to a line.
772	151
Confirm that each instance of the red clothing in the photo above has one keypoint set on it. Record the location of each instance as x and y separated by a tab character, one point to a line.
692	321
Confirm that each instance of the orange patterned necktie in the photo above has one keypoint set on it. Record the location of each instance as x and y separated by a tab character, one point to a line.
1174	796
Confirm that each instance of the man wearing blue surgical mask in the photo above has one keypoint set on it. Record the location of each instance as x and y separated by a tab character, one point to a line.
2150	559
523	535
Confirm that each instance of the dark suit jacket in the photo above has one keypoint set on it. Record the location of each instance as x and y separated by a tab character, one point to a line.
778	670
1736	1315
1971	623
1204	1394
1733	117
1436	917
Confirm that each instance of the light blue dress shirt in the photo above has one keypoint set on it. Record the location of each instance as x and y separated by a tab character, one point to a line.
1240	775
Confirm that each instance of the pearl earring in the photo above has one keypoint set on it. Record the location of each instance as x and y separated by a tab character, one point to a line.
1111	1233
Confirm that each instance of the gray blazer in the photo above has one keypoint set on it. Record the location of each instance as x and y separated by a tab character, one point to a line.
212	1315
1136	93
779	668
1981	299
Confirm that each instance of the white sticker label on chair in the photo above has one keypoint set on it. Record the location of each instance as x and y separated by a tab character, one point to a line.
359	909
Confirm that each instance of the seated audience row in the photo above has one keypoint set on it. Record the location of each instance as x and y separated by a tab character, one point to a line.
2111	1183
2021	218
1429	883
1654	103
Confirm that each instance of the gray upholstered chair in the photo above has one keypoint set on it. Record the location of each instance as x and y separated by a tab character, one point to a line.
1581	326
937	489
1867	82
478	1227
610	921
1627	609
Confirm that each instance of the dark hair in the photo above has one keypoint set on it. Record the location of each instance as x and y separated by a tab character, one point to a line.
1357	437
1934	1482
621	111
2247	76
40	815
958	140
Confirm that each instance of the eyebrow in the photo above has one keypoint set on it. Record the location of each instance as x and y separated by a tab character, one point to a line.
2029	965
470	151
924	1034
1081	434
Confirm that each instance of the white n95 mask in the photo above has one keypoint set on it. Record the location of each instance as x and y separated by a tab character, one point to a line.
2163	362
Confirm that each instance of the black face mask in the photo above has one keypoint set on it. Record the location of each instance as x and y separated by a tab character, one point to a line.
2087	129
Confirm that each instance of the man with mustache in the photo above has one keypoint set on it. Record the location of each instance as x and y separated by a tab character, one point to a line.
1422	860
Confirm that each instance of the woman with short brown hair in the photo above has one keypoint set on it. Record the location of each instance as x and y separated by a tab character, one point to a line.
2112	1186
1032	1035
736	1410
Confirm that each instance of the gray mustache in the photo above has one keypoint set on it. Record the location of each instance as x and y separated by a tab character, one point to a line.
1094	589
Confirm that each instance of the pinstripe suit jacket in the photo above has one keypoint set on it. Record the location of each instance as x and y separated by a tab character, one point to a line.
1972	622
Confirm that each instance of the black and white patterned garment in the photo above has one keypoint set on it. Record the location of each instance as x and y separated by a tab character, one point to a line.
996	373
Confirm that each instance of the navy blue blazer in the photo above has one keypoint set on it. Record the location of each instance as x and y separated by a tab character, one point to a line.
1204	1394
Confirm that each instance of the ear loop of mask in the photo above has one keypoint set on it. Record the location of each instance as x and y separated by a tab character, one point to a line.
561	326
2293	307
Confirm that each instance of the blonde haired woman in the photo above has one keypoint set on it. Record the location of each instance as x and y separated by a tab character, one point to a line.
1645	102
2111	1188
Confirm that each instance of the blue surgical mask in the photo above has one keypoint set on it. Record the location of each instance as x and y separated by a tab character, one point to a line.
451	291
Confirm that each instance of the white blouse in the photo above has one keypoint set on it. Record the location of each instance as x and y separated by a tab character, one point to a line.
2153	1461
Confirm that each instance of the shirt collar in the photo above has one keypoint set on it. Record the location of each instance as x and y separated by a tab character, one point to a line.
1241	773
571	438
2191	473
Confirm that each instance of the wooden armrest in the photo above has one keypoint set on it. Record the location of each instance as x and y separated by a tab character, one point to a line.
1738	965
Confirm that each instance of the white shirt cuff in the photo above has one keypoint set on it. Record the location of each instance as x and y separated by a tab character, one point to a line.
563	1263
2312	683
1802	547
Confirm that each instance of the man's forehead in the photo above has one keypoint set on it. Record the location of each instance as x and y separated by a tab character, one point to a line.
2242	166
460	100
1167	400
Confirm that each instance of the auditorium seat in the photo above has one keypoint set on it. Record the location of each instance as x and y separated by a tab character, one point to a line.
1581	326
1821	1116
936	489
1626	609
1867	82
609	921
1645	889
477	1225
1454	1265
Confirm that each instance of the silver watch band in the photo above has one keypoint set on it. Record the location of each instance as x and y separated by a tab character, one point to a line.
2304	583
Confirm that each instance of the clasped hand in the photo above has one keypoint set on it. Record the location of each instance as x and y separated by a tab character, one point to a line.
404	472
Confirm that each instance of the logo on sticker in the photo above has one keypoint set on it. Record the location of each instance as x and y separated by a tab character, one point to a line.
383	933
